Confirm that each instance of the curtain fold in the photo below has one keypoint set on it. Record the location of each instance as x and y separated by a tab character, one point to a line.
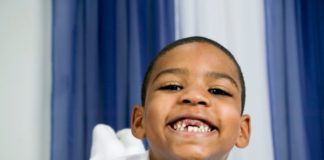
100	50
295	61
312	60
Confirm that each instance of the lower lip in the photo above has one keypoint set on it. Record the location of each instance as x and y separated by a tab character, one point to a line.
191	134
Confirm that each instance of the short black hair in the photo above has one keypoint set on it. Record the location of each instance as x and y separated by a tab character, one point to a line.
186	41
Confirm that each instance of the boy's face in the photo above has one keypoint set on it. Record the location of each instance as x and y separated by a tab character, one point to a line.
193	105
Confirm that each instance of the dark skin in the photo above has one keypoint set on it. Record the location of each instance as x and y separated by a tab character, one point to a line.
192	82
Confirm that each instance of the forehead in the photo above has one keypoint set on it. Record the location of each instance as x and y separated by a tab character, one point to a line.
197	56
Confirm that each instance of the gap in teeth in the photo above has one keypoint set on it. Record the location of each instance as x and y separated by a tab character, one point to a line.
179	126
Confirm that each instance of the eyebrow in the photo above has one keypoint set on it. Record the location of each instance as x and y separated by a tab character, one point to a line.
171	71
218	75
214	75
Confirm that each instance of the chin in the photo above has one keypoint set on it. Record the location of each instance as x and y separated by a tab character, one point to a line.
194	153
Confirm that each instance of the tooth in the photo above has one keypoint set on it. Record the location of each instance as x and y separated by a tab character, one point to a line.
201	129
190	129
181	128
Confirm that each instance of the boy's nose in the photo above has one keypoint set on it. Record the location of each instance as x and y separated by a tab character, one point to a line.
194	98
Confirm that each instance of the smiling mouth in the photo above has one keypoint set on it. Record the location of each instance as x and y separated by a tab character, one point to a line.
192	125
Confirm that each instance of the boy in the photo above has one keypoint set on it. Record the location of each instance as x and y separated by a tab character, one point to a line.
192	103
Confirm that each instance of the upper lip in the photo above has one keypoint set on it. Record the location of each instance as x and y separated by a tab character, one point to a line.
193	116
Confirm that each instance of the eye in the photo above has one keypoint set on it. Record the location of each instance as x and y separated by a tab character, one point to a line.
172	87
217	91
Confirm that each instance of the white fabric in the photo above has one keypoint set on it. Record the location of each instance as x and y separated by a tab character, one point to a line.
239	26
108	145
143	156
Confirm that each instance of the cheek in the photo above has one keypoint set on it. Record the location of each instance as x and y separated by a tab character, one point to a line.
228	116
157	107
230	121
159	103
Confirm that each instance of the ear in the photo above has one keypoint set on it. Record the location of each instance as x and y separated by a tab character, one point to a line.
245	132
137	122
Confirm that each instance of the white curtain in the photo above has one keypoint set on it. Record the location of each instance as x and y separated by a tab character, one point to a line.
239	26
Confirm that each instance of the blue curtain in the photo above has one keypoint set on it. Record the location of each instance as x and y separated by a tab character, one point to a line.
100	52
295	32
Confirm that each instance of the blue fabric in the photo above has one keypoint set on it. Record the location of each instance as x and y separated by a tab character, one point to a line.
100	52
295	63
312	59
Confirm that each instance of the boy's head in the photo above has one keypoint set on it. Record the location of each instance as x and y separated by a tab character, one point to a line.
193	98
191	40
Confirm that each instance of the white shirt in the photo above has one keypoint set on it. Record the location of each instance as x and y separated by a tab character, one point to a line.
144	156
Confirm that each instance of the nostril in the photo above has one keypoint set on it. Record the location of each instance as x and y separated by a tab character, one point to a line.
202	103
186	101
